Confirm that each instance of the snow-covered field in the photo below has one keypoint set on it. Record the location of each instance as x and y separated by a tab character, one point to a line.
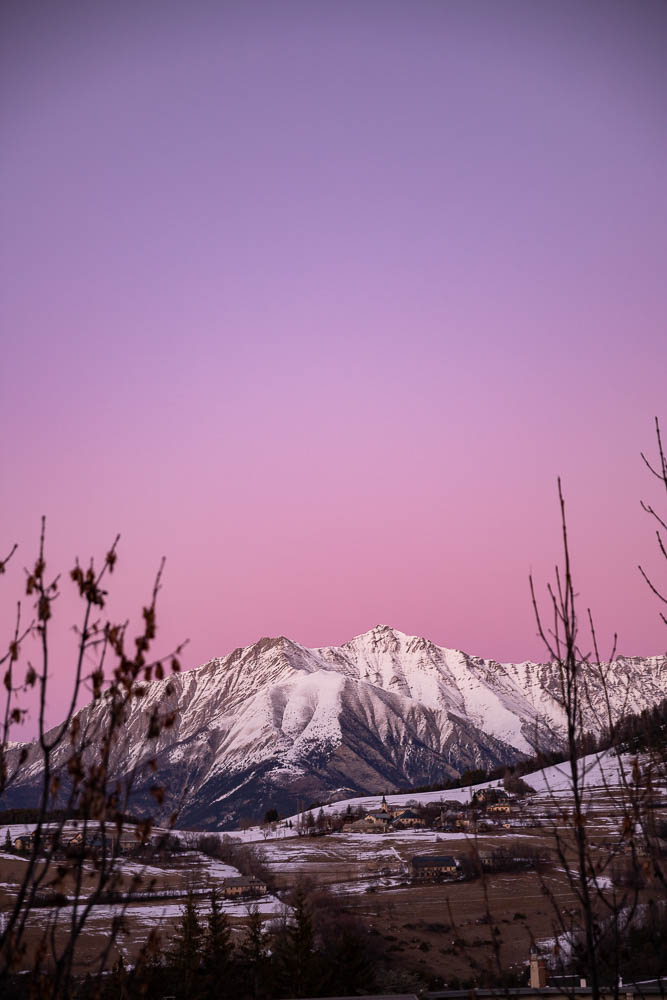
600	772
191	870
155	913
69	829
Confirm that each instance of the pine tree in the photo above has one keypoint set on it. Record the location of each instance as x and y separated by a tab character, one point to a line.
254	957
351	967
295	954
218	947
187	948
8	842
152	974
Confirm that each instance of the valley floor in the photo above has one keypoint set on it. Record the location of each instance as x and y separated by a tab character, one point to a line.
449	932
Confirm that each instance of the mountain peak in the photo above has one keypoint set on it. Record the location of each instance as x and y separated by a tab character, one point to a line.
390	637
383	631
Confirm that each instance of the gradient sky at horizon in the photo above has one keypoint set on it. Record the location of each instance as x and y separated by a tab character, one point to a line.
318	299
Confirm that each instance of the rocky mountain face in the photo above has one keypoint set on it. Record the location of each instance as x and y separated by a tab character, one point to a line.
279	725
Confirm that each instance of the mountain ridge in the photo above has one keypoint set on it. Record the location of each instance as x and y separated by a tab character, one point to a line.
276	723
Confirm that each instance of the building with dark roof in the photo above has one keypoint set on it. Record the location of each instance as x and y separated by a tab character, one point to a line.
429	867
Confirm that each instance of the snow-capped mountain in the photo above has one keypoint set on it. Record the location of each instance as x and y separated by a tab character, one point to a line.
278	724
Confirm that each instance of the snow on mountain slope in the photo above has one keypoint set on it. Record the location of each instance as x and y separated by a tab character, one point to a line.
278	724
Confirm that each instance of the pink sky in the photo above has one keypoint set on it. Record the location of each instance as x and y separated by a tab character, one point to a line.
317	300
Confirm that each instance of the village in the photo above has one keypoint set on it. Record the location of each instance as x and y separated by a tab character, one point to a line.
491	809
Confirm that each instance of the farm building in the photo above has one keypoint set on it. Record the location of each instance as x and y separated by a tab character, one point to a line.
500	807
243	885
408	818
429	867
24	842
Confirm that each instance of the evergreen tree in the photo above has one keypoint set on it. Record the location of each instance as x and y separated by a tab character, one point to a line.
218	948
187	948
151	975
294	951
8	842
253	954
350	966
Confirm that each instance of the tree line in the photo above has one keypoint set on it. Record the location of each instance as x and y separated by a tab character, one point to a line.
314	947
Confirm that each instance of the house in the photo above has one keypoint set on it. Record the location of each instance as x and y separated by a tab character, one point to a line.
431	867
487	825
49	838
362	826
92	840
380	818
128	841
407	817
445	821
108	840
500	807
486	860
468	824
489	796
243	885
24	842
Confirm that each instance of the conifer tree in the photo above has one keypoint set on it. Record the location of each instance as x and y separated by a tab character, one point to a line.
295	954
253	953
351	967
218	947
152	974
187	948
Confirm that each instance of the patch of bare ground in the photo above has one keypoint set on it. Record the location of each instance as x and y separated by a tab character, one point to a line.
444	931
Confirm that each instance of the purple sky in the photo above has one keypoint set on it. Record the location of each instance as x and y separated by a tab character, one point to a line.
318	299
